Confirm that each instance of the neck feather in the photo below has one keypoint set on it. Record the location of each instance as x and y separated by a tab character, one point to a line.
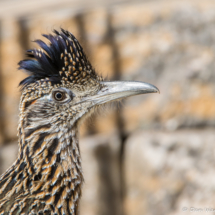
47	176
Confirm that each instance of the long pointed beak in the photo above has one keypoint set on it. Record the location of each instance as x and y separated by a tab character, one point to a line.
113	90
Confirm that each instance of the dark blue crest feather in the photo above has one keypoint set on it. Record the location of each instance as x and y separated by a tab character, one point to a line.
47	63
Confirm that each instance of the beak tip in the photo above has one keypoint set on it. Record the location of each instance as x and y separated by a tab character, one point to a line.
153	89
157	90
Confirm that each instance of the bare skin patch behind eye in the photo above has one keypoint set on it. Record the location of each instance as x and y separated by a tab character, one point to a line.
27	104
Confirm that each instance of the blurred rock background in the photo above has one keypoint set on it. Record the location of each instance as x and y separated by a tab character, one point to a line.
151	154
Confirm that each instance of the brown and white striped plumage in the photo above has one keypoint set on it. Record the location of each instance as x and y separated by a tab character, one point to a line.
47	176
62	88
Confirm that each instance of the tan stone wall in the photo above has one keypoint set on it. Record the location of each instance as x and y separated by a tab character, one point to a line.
152	154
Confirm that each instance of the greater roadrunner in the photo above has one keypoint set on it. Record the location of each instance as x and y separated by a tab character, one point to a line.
62	89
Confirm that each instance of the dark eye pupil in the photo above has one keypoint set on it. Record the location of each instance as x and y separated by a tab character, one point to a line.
58	95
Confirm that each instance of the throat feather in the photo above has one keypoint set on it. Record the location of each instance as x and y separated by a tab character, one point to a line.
50	168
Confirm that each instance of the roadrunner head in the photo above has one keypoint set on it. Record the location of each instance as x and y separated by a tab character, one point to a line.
63	86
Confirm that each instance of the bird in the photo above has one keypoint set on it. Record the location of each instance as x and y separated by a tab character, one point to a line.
61	89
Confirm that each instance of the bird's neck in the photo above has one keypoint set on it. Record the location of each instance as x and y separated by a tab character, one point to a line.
48	170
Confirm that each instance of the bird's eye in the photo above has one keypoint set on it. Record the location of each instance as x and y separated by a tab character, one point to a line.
59	96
